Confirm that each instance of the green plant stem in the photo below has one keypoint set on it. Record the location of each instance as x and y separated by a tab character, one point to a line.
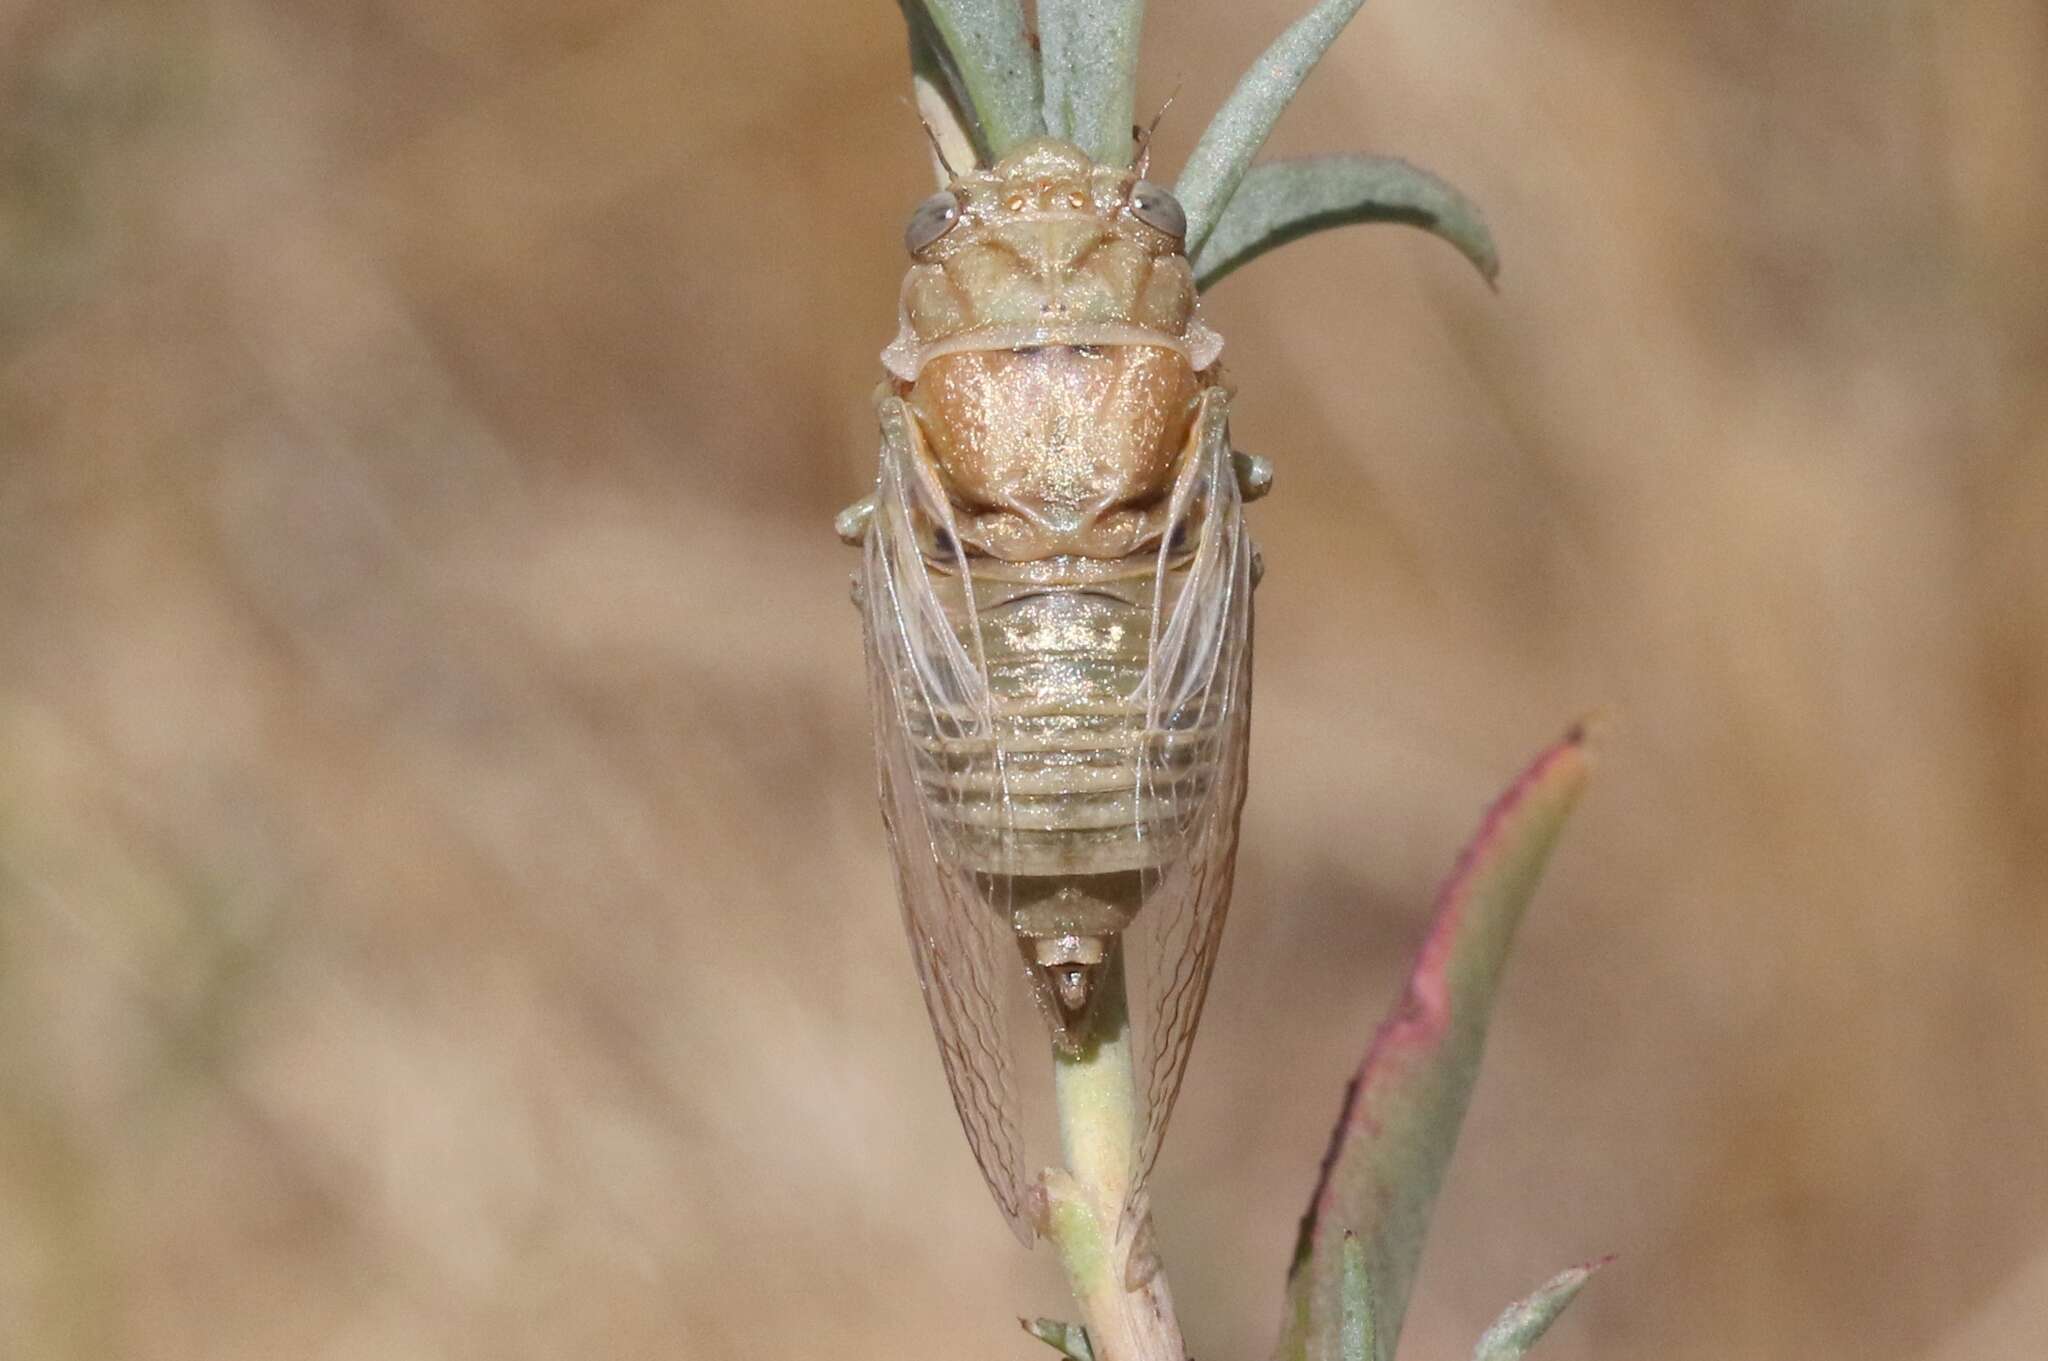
1104	1240
1097	1096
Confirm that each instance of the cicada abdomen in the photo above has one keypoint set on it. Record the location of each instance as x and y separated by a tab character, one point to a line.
1057	590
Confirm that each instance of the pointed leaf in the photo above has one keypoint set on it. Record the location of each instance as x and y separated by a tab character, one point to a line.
1401	1112
1515	1331
978	53
1282	201
1355	1339
1070	1339
1246	119
1088	50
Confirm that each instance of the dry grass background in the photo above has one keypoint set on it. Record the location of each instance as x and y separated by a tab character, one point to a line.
442	907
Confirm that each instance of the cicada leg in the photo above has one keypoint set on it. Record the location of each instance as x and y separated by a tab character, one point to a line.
851	524
1254	474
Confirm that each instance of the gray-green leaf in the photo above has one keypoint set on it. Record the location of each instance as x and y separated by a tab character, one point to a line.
1282	201
1511	1336
1069	1339
1088	52
979	52
1246	119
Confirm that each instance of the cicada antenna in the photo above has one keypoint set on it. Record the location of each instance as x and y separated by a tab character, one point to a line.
931	135
1143	136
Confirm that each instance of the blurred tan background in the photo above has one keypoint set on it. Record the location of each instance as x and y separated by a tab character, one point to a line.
443	912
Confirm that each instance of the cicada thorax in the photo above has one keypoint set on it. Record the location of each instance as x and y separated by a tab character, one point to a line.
1054	363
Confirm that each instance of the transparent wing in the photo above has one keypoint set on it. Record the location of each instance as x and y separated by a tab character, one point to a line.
1192	770
933	738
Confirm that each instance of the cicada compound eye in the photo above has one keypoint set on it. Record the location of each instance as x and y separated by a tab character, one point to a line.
1158	209
933	218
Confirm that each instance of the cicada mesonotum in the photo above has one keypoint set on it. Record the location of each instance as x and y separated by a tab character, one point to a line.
1057	595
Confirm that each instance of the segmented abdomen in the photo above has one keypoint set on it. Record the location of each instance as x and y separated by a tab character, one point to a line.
1070	773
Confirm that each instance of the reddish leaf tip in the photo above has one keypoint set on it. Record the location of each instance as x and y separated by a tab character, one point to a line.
1414	1030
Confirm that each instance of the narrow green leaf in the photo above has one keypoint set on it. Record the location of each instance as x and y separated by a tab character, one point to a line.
1246	119
1069	1339
1088	50
1401	1112
1515	1331
1355	1333
978	52
1282	201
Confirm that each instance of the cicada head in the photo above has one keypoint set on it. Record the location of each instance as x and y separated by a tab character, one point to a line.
1052	347
1047	242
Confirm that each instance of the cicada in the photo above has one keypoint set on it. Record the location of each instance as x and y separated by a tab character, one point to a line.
1057	592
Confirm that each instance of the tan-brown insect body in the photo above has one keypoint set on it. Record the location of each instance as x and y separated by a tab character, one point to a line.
1054	360
1056	583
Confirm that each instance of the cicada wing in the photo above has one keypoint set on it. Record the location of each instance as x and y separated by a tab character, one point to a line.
1192	767
933	738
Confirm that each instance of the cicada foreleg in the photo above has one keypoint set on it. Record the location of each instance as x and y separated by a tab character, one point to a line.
851	524
1254	480
1254	474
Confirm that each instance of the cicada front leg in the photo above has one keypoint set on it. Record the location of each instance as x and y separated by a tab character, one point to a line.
1254	474
851	524
1254	479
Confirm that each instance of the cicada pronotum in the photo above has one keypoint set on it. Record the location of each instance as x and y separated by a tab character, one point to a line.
1057	589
